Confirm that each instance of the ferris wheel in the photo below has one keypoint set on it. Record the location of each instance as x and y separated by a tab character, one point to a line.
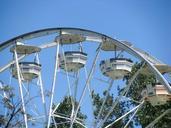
45	66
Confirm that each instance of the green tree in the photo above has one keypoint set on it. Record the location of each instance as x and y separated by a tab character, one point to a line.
13	106
147	113
116	113
65	109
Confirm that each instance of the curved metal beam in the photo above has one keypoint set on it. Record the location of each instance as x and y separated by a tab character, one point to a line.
93	36
48	31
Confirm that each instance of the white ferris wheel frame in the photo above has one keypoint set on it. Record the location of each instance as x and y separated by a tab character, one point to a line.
89	36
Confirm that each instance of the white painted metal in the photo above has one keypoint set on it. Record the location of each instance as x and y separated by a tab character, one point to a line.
29	70
95	37
151	125
11	63
68	82
108	45
72	60
85	87
69	38
25	49
20	87
133	114
53	85
109	125
116	68
89	36
104	101
90	95
42	92
156	95
124	93
69	119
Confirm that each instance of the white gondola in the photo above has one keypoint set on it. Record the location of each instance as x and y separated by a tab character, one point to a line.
72	61
29	70
157	95
116	68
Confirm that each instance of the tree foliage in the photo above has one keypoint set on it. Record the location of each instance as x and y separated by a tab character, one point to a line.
116	113
65	110
147	113
14	113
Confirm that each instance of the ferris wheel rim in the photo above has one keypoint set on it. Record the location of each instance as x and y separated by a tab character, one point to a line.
48	31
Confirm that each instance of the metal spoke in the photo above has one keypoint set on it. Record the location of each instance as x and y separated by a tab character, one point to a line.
104	101
54	121
20	87
69	85
85	87
67	37
109	125
67	118
42	91
157	119
125	91
90	95
132	100
76	85
134	114
53	85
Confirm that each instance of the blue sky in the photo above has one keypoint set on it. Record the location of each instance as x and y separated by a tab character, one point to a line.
145	23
